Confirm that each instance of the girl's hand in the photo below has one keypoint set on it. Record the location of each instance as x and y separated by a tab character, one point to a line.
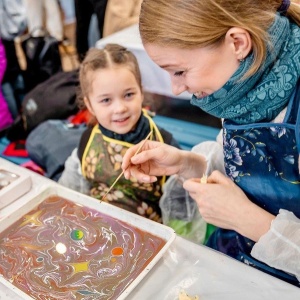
159	159
224	204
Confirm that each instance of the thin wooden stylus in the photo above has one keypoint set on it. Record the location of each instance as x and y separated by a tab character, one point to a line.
137	151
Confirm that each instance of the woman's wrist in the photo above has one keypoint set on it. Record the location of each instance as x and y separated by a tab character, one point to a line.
255	223
192	165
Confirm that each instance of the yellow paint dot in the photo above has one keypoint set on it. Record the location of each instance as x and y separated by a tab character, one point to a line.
80	267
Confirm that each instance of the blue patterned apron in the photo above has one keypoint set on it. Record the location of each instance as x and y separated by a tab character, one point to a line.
262	159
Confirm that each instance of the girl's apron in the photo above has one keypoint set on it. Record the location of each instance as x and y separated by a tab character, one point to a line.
101	165
263	160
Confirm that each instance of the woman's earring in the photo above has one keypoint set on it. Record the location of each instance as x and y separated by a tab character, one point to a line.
242	58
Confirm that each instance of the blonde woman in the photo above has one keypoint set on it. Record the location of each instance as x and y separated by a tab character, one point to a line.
241	60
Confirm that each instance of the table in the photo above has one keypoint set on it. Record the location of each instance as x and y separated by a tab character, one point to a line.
195	268
154	79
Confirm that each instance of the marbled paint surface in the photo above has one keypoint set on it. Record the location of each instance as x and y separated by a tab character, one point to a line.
61	250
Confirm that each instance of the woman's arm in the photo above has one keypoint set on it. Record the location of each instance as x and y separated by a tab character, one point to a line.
158	159
280	246
223	204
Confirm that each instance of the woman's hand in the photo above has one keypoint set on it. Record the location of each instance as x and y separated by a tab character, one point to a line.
224	204
158	159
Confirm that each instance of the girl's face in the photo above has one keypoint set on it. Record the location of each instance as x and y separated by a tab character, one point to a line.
200	71
115	99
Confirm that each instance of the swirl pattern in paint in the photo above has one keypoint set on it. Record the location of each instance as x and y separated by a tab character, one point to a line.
61	250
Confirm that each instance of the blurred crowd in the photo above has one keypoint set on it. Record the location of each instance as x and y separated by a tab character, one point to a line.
40	18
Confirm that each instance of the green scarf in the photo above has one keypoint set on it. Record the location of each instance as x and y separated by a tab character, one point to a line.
262	96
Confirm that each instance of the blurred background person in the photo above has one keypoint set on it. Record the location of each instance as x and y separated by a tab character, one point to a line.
5	116
84	10
120	14
44	14
13	23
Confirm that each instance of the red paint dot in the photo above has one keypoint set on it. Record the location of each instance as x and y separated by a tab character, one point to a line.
117	251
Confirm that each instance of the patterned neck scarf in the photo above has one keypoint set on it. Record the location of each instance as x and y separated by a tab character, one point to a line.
141	130
263	95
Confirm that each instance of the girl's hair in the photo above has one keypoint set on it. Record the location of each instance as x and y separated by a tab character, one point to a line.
112	55
200	23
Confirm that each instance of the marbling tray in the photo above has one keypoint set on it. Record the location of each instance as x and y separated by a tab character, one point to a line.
65	245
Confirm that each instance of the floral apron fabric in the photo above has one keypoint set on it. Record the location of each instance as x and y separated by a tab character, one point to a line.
101	165
263	160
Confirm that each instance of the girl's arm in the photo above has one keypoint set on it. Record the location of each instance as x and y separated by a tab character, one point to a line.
72	177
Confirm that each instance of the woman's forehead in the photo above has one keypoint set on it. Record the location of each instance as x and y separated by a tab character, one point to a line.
172	57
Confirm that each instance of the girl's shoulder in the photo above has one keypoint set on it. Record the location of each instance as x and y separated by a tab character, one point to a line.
83	141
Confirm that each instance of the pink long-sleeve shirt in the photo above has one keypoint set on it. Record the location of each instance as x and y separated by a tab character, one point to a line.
5	115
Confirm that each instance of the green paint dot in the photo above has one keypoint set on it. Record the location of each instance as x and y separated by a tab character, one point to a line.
77	235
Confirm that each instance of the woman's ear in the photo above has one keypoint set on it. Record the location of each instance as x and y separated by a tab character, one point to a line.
88	105
240	42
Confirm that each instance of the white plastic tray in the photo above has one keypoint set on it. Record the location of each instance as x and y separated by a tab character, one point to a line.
16	185
161	231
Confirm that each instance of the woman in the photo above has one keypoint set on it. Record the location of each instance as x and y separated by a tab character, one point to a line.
240	59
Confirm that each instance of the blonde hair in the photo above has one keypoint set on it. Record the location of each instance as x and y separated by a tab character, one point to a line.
110	56
187	24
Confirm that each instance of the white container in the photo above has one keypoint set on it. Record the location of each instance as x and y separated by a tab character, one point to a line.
145	225
12	186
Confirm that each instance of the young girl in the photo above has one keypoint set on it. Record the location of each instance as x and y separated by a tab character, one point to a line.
111	89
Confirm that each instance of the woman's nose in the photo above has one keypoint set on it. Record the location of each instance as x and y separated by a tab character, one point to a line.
178	88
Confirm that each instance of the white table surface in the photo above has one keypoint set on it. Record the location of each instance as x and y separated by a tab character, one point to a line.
154	79
195	268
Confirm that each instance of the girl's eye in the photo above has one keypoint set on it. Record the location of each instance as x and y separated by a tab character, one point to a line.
179	73
128	95
106	100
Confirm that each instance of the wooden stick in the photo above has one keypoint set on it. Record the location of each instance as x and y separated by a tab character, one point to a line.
137	151
203	179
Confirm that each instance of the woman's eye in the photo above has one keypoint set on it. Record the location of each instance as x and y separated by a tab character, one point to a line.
179	73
